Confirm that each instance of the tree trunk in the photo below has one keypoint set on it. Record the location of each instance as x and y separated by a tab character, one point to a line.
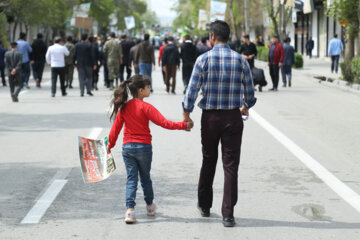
358	39
349	48
14	31
233	29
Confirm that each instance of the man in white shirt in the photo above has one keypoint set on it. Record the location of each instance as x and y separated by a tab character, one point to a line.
55	57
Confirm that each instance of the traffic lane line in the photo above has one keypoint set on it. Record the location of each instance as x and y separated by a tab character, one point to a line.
49	195
340	188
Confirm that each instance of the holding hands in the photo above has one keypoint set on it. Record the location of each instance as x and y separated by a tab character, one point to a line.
188	120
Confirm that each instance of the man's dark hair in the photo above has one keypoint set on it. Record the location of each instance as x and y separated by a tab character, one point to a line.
138	41
288	39
246	36
39	36
13	44
69	39
166	40
170	39
123	36
84	36
275	36
58	39
91	39
146	37
204	39
113	35
187	37
335	35
22	35
221	30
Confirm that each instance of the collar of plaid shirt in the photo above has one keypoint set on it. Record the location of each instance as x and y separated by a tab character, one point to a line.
225	80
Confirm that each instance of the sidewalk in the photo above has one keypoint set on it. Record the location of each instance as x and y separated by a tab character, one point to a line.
321	68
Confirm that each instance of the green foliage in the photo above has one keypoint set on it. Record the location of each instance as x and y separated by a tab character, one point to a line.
299	62
346	11
346	71
355	69
263	53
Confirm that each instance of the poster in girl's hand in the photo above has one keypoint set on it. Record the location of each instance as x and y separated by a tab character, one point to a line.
96	163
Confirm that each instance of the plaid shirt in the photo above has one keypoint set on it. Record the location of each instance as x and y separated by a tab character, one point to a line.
225	79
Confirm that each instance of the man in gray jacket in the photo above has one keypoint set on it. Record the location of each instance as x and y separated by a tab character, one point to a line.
13	63
288	62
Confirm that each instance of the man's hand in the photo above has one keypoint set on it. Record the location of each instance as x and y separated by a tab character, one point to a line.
94	67
244	111
186	118
108	149
154	67
121	60
32	61
13	72
268	64
164	69
135	65
280	64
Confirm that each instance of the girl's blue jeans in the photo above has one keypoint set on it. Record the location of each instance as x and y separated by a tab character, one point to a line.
137	159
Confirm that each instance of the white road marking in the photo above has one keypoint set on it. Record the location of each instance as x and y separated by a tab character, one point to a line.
345	192
48	196
39	209
23	92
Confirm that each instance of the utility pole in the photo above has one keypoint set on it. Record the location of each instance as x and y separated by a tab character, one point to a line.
246	8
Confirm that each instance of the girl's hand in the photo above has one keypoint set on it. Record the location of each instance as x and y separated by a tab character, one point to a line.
189	126
108	149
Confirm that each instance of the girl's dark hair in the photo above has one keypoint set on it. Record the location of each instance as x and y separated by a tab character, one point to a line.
121	95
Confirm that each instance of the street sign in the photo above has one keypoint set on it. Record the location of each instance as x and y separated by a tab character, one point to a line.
217	10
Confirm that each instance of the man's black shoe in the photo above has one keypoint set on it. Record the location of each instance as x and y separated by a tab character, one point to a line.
53	95
64	94
205	212
272	89
260	88
90	94
228	221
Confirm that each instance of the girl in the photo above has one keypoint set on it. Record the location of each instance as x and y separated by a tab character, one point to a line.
137	149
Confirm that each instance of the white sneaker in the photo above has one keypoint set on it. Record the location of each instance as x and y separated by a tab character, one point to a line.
130	216
151	209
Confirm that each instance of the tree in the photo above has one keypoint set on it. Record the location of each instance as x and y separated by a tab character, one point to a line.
280	16
343	11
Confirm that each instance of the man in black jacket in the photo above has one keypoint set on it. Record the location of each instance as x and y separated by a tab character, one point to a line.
188	56
37	57
171	60
126	46
248	51
97	59
85	62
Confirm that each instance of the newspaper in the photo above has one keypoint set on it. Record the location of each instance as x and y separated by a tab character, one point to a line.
96	164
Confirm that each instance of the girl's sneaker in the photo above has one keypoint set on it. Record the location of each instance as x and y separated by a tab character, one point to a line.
130	216
151	209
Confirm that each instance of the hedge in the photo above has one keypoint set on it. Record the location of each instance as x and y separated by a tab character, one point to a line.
263	53
355	69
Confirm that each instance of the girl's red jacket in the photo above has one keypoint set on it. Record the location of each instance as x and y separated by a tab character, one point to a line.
136	117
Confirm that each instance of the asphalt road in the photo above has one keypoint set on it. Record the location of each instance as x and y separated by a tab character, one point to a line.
279	196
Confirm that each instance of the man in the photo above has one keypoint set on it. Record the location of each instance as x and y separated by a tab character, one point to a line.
37	57
289	61
248	51
25	48
145	56
13	62
275	59
69	62
335	48
260	42
225	78
161	49
188	56
97	57
114	55
55	57
202	47
309	47
84	60
171	61
132	56
2	64
126	46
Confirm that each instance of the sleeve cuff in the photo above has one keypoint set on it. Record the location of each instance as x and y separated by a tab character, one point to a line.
187	109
